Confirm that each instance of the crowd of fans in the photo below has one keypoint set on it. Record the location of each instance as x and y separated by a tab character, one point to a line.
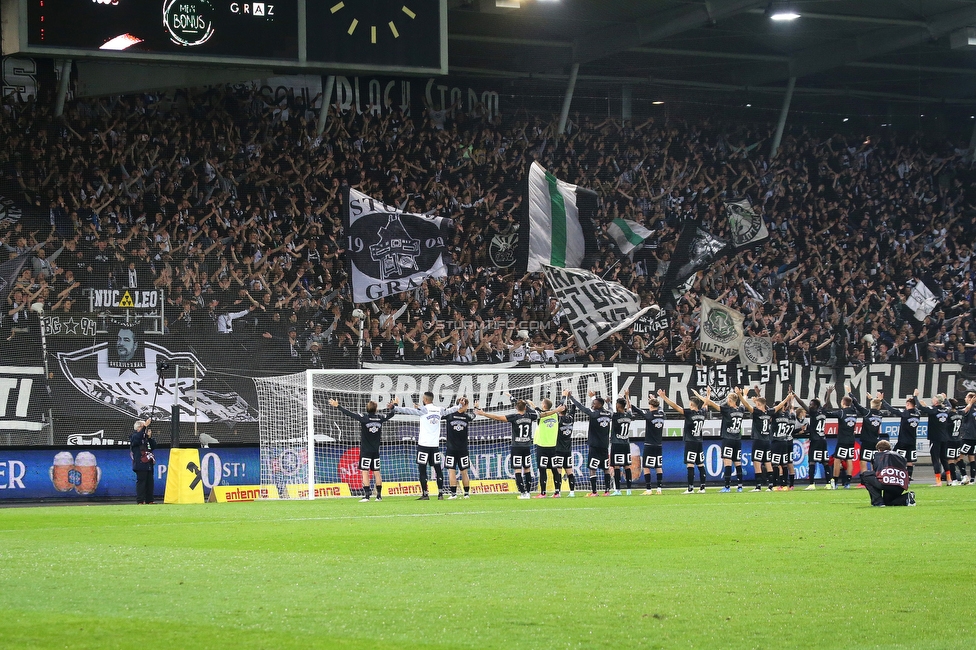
229	203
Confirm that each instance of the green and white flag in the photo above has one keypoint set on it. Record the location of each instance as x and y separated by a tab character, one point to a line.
629	235
721	335
555	233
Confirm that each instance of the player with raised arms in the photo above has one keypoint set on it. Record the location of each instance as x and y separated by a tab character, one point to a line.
562	458
871	418
654	422
521	422
817	454
545	438
597	439
732	413
457	460
370	437
694	416
620	423
907	430
784	424
428	441
762	436
844	451
938	425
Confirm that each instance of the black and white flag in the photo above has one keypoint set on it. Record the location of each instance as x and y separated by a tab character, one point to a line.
921	301
594	307
391	251
746	224
654	321
696	250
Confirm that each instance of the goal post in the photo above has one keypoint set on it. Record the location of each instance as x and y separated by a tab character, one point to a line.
308	447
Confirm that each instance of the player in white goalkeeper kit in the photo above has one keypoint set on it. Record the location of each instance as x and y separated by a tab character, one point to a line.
428	441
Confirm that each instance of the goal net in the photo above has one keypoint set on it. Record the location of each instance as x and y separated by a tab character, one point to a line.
308	447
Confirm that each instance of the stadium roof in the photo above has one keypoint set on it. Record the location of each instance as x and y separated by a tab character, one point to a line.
884	49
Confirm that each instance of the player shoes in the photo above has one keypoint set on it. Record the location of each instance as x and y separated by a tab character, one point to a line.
911	498
701	490
615	493
556	495
440	496
379	498
452	497
648	492
689	491
739	489
812	486
725	490
364	500
571	494
830	486
525	495
540	496
423	497
591	494
758	488
629	492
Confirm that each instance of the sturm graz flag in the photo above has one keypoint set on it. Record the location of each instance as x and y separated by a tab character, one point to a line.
747	225
391	251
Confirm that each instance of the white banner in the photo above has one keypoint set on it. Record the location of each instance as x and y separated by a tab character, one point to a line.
594	307
721	335
922	301
756	351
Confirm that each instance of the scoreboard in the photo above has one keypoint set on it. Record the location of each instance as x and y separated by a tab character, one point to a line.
356	35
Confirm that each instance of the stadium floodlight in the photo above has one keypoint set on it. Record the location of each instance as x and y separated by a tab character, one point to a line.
304	441
782	11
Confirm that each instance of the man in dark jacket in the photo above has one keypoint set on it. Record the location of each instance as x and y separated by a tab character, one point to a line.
141	446
888	483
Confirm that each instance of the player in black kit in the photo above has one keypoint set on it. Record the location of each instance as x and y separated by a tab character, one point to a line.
598	439
817	430
870	428
620	423
762	436
457	459
732	414
844	452
654	422
694	417
562	457
967	450
907	430
938	427
370	436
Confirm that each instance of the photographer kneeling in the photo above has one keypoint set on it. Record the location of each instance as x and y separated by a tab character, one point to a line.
888	483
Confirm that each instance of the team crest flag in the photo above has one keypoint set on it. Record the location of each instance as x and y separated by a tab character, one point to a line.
746	224
391	251
594	307
556	232
720	336
756	351
629	235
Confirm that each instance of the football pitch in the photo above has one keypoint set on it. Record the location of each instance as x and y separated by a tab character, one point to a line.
800	569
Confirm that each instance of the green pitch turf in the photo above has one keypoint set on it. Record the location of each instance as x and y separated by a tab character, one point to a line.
771	570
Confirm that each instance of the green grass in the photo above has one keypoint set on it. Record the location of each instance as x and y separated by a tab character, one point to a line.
767	570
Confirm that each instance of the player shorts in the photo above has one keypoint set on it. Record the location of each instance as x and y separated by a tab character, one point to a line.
694	454
968	448
429	456
619	455
762	451
781	452
653	456
911	455
562	461
732	450
952	450
818	451
367	463
544	457
867	454
598	458
521	458
844	452
457	461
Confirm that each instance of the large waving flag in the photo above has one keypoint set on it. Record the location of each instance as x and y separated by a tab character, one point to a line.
558	223
390	251
720	336
629	235
696	250
594	307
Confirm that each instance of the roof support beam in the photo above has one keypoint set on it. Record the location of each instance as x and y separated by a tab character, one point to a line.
875	43
622	37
